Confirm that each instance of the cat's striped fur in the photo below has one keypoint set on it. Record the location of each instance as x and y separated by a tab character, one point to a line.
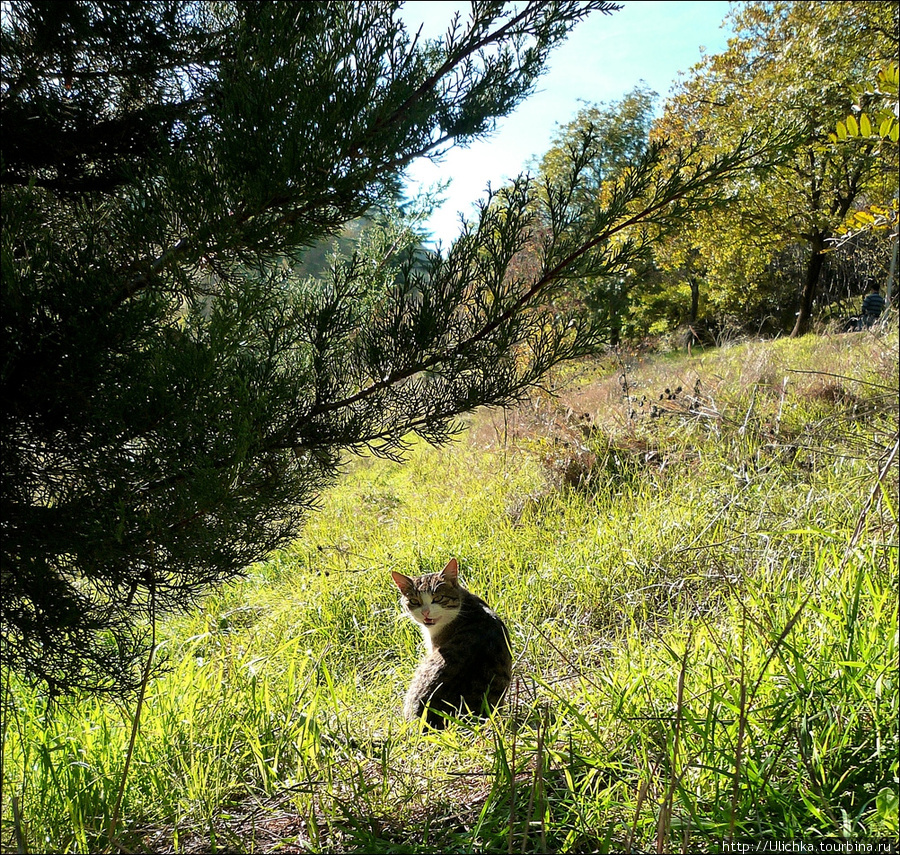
468	663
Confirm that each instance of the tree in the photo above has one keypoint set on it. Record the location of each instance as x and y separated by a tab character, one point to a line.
175	392
619	134
789	64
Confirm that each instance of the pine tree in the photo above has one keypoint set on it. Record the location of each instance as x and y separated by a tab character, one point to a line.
175	394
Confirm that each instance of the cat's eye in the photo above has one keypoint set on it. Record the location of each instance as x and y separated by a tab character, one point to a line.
413	604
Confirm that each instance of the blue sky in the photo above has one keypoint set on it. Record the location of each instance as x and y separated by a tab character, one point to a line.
603	58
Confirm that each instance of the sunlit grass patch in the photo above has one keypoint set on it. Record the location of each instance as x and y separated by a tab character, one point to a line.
704	629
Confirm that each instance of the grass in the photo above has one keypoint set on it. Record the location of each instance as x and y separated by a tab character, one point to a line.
697	558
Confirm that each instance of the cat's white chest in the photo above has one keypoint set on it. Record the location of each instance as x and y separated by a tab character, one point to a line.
429	633
436	621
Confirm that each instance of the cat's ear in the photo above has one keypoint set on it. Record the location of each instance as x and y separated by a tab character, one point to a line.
451	571
404	583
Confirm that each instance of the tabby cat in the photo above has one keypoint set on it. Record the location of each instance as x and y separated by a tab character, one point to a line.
468	663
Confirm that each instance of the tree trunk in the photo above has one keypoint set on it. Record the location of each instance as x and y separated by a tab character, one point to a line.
695	299
810	285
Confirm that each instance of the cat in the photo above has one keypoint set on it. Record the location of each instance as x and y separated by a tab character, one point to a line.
468	664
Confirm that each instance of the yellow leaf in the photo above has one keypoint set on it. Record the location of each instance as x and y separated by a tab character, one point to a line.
885	130
895	133
852	126
865	126
841	131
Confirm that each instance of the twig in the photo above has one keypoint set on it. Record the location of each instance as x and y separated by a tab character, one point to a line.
876	491
566	658
843	377
642	794
21	847
535	783
539	769
777	427
665	815
137	717
743	428
742	723
512	782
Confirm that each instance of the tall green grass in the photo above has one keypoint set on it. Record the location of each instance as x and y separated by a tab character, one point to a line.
703	601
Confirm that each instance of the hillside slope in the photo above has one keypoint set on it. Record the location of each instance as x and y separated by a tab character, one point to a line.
697	558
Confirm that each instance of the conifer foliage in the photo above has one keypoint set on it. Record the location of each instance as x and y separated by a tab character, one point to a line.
174	394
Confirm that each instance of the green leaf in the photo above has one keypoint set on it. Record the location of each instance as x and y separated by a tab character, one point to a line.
885	130
865	126
852	126
887	803
890	76
841	131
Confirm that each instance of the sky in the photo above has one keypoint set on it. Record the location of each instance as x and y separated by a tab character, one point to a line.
603	58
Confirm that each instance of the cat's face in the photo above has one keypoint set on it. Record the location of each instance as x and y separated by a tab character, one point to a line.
432	600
